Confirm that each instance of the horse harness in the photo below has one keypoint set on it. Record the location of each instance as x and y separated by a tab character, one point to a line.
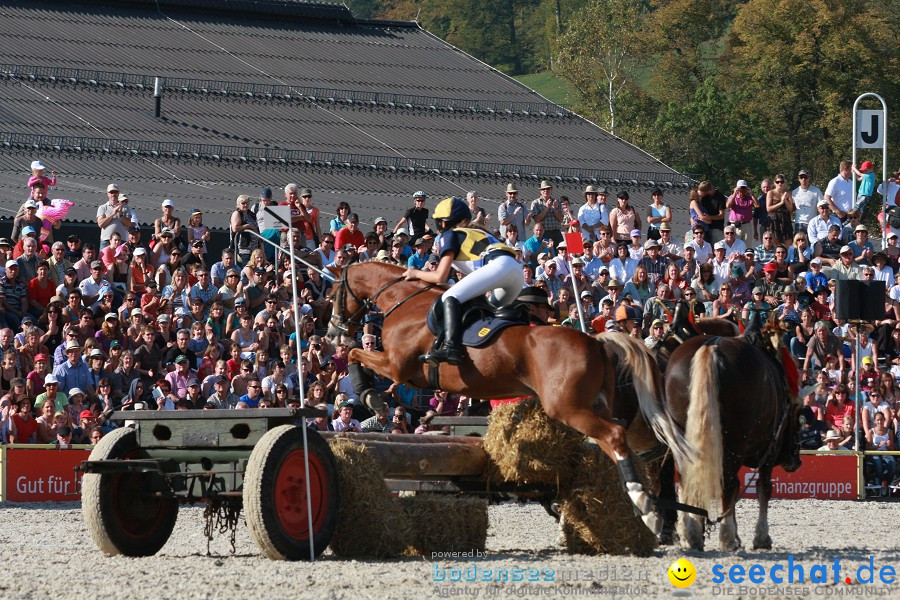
366	305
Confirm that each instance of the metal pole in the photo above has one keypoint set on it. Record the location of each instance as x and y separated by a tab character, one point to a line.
312	551
856	391
884	159
577	297
157	96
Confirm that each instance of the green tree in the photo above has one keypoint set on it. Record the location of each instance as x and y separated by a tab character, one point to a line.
802	63
598	54
682	35
708	135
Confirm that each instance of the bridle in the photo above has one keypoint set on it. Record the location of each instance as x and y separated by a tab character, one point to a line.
365	305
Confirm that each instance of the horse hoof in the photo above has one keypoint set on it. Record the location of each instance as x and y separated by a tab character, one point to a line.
371	399
762	544
666	537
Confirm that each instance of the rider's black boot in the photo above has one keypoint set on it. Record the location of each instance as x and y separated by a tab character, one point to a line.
451	350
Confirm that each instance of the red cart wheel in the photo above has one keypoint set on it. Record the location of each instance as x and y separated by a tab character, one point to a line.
275	494
121	515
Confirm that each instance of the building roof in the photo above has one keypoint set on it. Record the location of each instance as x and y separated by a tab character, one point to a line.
265	93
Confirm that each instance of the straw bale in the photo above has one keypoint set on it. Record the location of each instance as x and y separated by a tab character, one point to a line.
597	515
445	523
527	446
369	526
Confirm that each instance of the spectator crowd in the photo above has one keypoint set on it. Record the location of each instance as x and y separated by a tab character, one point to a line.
119	321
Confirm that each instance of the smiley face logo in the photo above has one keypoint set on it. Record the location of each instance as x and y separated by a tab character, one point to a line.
682	573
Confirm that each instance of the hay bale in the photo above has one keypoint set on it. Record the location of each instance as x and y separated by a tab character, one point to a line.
444	523
597	515
527	446
369	526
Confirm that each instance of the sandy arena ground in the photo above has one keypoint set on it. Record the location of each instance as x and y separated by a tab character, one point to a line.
50	547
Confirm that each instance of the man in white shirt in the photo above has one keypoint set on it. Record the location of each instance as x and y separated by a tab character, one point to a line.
806	200
839	192
720	264
703	250
818	225
668	248
114	216
734	246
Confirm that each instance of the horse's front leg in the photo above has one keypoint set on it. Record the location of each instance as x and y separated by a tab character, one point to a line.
579	415
363	383
761	539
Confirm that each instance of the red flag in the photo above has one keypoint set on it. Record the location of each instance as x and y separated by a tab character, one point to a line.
574	244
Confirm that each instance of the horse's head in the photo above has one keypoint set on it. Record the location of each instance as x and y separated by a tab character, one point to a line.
348	309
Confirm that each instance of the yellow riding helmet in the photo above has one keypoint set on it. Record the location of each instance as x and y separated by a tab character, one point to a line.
452	210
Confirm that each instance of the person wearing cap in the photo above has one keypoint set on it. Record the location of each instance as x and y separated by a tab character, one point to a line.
489	265
114	215
741	204
882	270
512	212
15	291
658	212
73	372
653	262
861	246
592	214
168	220
350	234
415	219
38	197
657	330
29	219
179	378
546	210
419	258
771	286
636	247
221	396
865	174
312	228
668	248
91	287
628	319
538	303
37	174
51	392
806	198
845	267
819	225
582	281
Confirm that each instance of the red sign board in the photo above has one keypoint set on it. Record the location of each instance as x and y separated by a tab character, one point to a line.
43	475
824	476
574	244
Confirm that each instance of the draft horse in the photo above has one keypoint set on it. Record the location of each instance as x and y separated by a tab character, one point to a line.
571	373
736	398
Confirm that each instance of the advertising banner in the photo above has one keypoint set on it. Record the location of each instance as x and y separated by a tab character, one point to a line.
824	476
42	475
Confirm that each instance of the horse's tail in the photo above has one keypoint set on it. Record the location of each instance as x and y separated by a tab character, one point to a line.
701	481
635	359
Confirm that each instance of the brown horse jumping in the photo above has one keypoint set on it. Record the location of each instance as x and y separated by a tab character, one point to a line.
570	372
737	402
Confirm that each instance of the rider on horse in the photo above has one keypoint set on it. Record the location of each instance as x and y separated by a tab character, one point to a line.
488	265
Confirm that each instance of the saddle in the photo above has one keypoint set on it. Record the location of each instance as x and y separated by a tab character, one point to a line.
481	320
